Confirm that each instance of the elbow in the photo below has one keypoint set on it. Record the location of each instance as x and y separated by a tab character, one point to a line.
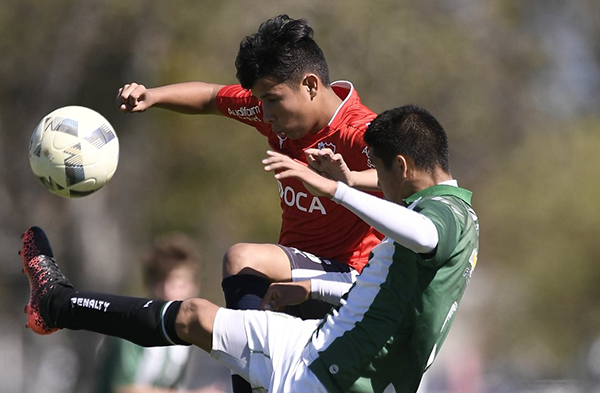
427	243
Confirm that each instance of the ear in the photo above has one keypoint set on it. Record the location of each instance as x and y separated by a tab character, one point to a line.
311	82
403	165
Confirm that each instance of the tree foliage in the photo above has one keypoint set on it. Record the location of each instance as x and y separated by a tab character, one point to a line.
542	215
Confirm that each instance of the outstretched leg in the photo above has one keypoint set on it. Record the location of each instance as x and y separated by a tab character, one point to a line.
54	304
194	322
276	338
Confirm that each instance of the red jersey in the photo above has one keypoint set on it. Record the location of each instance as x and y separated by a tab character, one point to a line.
316	224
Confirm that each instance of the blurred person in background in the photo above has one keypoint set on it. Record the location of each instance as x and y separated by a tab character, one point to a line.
171	271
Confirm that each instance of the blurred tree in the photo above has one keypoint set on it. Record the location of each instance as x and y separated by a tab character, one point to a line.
541	243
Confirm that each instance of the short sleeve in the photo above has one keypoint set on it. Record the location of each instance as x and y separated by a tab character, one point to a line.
445	219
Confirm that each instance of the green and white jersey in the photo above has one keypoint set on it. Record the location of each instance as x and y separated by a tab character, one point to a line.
393	321
128	364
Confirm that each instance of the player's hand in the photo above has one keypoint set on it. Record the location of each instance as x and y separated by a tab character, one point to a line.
284	167
133	98
329	165
281	294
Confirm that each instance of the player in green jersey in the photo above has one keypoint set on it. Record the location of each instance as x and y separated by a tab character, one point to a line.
386	330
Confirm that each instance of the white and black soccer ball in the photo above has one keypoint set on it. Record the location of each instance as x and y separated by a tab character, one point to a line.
74	151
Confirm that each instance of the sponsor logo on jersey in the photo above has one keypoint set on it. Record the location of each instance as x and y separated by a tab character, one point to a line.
468	273
90	303
282	138
244	113
367	153
300	200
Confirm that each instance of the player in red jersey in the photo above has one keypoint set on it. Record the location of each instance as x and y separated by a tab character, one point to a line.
309	223
285	93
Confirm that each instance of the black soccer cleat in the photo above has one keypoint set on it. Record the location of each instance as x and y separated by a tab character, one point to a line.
43	274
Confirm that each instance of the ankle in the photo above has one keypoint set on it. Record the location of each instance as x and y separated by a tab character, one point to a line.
59	304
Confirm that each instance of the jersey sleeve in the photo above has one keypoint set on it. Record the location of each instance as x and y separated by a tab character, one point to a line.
237	103
328	291
446	220
411	229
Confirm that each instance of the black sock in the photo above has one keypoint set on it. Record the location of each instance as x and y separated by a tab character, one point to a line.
240	385
244	291
142	321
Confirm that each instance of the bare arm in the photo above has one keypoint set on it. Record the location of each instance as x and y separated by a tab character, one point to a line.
365	180
281	294
188	97
333	166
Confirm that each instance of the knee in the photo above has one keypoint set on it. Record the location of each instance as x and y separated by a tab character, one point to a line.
263	260
236	259
194	323
189	315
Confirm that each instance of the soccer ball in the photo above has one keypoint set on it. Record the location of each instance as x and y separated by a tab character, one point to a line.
74	151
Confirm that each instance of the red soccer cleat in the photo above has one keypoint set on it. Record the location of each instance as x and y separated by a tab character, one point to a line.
43	274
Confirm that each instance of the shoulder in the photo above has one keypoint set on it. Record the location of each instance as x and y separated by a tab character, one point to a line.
448	213
453	216
353	115
237	103
233	91
353	121
447	206
235	96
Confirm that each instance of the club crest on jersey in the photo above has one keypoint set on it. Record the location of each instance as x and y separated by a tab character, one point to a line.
326	145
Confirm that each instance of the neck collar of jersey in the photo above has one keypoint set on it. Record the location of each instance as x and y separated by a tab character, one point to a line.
344	90
442	190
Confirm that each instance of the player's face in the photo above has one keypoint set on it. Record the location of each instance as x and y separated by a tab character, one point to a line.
289	110
391	181
179	284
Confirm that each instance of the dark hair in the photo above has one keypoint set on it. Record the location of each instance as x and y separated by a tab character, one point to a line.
169	252
411	131
283	50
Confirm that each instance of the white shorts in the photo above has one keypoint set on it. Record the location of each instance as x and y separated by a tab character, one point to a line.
265	348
